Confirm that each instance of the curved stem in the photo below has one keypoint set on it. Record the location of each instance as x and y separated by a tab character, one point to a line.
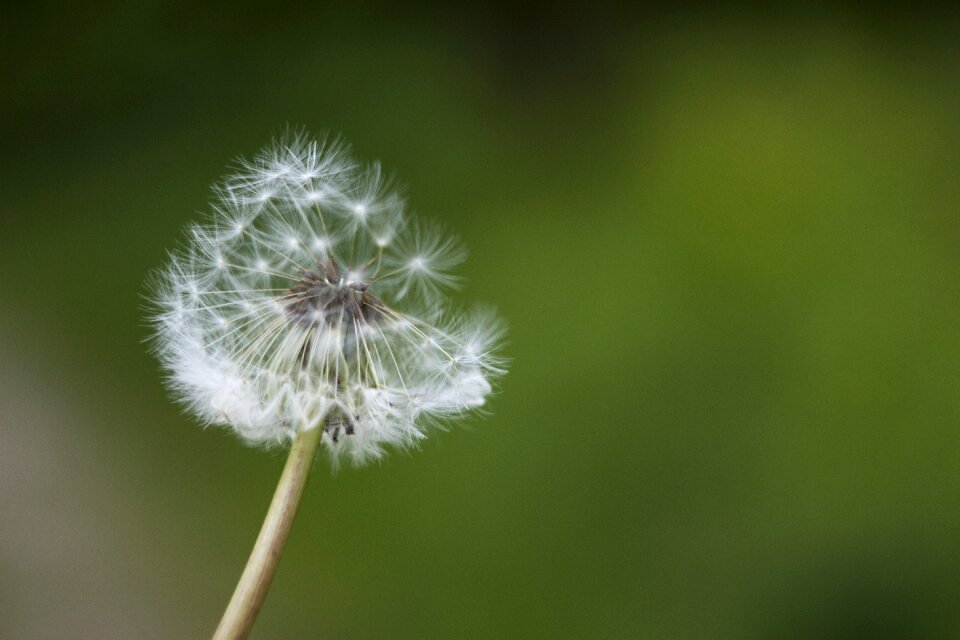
252	589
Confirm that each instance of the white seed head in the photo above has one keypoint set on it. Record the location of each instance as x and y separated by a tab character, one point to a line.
308	300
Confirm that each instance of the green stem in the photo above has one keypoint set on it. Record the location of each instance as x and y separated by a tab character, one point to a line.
252	589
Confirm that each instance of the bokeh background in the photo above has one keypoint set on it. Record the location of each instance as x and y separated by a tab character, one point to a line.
726	242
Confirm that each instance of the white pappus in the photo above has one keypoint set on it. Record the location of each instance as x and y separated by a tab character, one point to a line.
309	300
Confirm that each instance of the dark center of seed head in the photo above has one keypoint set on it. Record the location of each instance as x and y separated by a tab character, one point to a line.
324	296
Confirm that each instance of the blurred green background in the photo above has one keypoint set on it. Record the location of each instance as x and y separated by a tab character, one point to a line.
726	243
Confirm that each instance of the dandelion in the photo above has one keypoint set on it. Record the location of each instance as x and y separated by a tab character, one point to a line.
309	310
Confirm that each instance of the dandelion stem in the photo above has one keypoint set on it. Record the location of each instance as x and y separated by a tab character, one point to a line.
252	589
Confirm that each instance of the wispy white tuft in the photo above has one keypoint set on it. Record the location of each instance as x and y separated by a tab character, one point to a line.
310	301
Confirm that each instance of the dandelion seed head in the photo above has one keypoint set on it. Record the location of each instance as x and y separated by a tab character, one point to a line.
309	300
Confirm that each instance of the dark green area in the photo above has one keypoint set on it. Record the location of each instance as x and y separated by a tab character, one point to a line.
726	244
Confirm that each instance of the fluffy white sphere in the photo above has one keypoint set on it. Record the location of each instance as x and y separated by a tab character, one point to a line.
310	301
